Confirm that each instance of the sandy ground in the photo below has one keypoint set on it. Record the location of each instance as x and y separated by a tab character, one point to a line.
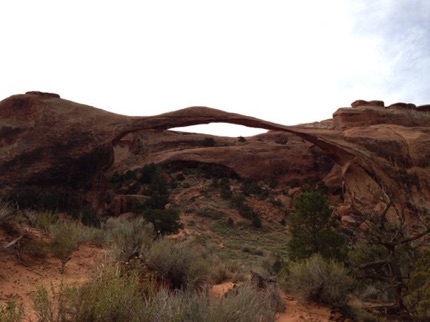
20	279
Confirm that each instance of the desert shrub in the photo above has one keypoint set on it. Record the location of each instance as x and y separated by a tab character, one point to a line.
146	173
311	227
180	177
11	311
323	281
281	140
165	221
182	265
126	237
246	211
273	181
116	180
244	304
226	192
53	305
256	222
130	175
237	201
87	216
115	296
239	276
208	142
157	190
276	202
133	188
44	220
241	139
250	187
36	248
418	297
110	296
210	213
219	273
253	251
359	312
64	241
6	212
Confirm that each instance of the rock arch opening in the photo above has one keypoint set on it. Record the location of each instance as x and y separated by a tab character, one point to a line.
221	129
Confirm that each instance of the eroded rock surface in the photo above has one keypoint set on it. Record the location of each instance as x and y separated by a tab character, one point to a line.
51	144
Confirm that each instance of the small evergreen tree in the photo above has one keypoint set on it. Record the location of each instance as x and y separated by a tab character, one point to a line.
158	190
224	185
165	221
311	228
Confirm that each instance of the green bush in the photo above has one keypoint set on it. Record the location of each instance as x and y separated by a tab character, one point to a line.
256	222
323	281
111	296
54	305
250	187
64	241
418	297
147	172
126	237
6	212
226	192
11	311
165	221
210	213
117	295
157	190
208	142
116	180
44	220
36	248
311	227
219	273
181	265
245	304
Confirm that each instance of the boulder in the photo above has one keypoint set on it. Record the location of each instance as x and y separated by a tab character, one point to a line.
358	103
402	106
424	108
377	103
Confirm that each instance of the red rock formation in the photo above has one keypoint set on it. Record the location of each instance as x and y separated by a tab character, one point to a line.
57	145
424	108
374	103
402	106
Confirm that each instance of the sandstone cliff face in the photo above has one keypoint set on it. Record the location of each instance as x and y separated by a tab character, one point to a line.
275	154
52	144
57	146
367	113
47	143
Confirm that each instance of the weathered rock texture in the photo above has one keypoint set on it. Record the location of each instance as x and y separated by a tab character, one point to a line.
48	143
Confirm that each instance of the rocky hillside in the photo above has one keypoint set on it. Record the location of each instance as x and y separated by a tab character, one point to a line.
54	148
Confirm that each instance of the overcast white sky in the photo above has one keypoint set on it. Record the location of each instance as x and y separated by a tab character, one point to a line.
288	62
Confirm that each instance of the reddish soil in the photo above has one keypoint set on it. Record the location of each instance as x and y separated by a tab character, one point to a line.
19	279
